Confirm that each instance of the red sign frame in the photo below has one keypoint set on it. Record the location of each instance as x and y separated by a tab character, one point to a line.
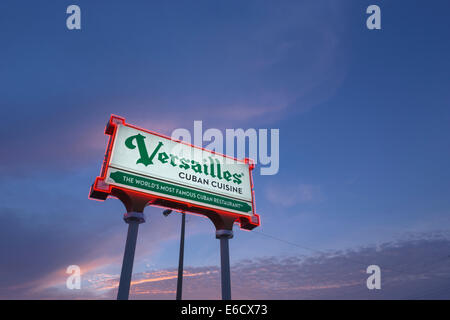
100	190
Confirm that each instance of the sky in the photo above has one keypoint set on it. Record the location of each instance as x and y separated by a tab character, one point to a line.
363	118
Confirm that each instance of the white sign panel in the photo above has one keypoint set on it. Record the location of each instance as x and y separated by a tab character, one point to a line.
159	166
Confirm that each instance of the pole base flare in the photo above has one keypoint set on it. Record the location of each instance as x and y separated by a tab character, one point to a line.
134	216
228	234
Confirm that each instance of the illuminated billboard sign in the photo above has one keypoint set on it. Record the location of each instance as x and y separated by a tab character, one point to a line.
175	174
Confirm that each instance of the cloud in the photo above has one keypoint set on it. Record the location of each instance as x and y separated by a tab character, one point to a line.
413	268
37	247
281	62
78	141
410	269
290	195
252	70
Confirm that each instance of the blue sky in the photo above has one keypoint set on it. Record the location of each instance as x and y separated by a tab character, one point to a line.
363	118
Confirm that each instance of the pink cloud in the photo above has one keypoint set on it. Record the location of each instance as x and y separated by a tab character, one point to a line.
336	275
298	194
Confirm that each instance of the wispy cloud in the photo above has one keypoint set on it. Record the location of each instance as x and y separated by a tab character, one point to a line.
111	282
288	195
46	244
255	71
413	268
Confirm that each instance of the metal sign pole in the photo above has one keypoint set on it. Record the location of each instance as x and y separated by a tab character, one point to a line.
223	236
181	258
133	219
